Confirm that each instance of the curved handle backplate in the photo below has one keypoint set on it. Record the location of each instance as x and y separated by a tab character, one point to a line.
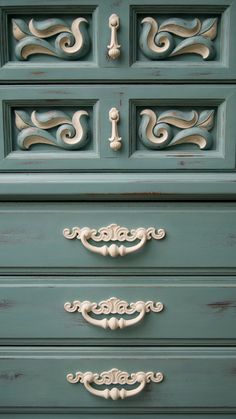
113	306
114	47
112	233
115	376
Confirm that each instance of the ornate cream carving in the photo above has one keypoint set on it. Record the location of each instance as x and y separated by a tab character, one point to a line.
71	134
193	127
71	43
113	232
115	140
159	42
114	47
113	306
115	376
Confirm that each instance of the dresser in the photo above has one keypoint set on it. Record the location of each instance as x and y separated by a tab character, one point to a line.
117	212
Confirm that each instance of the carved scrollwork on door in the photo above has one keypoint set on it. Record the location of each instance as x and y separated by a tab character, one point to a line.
113	233
113	306
177	36
174	127
35	128
115	376
38	37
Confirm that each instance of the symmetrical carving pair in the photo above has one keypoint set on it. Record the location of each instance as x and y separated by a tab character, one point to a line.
173	37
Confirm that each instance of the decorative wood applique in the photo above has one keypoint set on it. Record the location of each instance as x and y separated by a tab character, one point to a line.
113	306
115	376
71	43
71	134
158	42
193	127
112	233
114	47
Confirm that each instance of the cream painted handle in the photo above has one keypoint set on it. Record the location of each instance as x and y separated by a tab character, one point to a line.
113	232
114	47
113	306
115	376
115	140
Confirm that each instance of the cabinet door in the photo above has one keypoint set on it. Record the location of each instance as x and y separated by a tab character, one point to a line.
125	40
117	128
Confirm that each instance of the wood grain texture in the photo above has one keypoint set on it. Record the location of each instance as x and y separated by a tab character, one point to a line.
199	310
194	378
198	236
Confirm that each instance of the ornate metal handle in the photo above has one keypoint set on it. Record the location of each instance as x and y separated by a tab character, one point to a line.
115	140
114	47
113	306
114	232
115	376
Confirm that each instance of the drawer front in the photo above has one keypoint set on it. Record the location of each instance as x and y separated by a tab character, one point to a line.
193	379
102	40
131	311
128	237
117	128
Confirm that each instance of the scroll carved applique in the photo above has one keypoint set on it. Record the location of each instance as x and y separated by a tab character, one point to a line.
38	37
39	128
113	306
117	377
172	128
159	42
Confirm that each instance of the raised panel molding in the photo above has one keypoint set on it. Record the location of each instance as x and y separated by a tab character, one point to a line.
156	131
176	36
38	37
35	128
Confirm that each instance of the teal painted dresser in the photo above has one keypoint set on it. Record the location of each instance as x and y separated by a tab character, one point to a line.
117	213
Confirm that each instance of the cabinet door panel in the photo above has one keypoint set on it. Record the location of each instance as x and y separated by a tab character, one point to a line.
117	128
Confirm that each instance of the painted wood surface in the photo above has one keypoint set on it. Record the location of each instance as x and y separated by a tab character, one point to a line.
199	310
163	128
193	378
198	236
117	186
136	60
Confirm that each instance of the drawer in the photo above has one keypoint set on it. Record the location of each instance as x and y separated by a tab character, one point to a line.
117	237
171	128
104	40
193	379
114	310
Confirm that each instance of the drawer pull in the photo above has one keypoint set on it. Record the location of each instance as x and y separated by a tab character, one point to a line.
114	47
115	376
115	140
113	232
113	306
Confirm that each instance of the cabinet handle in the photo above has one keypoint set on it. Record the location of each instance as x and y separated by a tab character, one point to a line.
113	232
114	376
115	140
113	306
114	47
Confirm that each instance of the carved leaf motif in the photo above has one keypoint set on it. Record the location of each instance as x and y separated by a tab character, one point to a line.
161	42
156	133
181	27
71	134
71	42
